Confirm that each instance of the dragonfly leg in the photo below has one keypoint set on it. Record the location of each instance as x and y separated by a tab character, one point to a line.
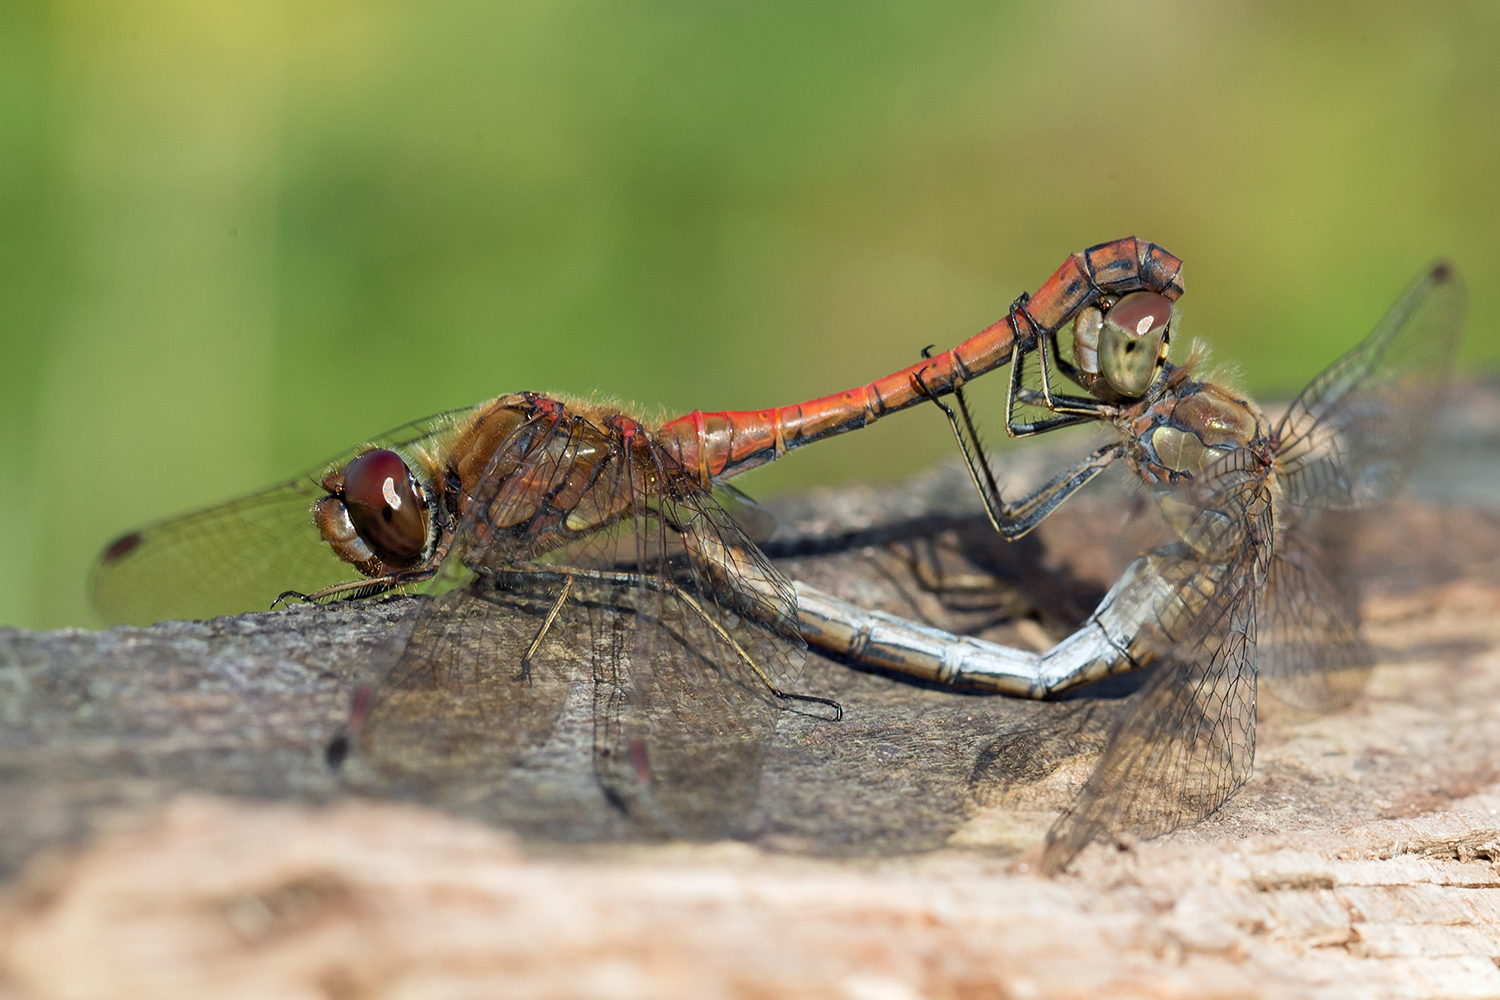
1071	409
1064	366
1015	520
1031	428
748	660
968	431
1073	405
286	598
541	633
1016	392
354	590
1033	339
668	587
1047	358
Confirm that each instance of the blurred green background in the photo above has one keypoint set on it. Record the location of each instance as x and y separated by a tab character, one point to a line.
239	236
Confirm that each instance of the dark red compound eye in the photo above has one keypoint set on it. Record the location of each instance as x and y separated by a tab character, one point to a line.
383	507
1140	313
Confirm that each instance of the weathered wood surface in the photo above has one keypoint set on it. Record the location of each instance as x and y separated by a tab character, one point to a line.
887	856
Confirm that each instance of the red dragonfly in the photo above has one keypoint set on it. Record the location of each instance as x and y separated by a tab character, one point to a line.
531	521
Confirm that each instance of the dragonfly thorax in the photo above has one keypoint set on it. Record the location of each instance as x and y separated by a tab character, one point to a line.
1196	425
1190	444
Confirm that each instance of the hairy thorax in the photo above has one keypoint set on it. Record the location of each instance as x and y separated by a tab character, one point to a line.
1207	452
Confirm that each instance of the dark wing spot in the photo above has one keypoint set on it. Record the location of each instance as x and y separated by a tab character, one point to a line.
122	547
337	751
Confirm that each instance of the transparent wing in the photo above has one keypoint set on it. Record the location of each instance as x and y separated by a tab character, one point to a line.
682	735
457	707
456	710
236	556
681	621
758	523
744	598
1053	735
1309	649
1350	438
1188	742
681	731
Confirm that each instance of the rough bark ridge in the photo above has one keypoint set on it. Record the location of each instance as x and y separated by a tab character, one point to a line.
888	854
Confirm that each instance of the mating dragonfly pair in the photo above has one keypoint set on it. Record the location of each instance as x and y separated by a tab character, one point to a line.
531	523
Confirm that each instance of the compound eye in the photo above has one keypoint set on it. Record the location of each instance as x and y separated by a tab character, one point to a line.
1132	343
383	506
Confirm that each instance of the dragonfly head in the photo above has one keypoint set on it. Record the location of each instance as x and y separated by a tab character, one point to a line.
1121	347
375	515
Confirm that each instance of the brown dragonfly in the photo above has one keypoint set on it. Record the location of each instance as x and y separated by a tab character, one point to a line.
536	524
1242	591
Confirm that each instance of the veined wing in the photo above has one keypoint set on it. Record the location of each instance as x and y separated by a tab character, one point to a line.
1309	647
680	617
456	711
681	736
233	557
634	514
682	722
459	703
1350	438
240	555
758	523
1188	742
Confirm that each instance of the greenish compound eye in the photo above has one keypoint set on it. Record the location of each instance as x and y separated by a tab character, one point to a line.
1133	342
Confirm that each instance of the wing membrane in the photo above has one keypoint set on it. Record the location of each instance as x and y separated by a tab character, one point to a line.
1188	742
1348	441
681	736
685	625
681	730
240	555
1309	647
456	710
234	557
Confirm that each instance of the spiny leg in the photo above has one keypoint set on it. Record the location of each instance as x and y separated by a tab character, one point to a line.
1041	339
1070	409
749	661
354	590
668	587
1065	367
541	634
1013	520
1015	391
979	468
